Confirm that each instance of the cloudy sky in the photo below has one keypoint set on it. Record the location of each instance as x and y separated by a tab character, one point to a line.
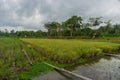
32	14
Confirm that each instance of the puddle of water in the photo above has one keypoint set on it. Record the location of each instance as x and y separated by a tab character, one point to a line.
104	69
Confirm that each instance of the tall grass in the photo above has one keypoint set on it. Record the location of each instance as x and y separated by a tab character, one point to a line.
13	64
68	51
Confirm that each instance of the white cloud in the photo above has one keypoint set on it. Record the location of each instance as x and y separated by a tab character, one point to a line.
9	28
31	14
35	19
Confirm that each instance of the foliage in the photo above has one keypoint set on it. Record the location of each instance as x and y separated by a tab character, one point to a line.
72	27
68	51
13	64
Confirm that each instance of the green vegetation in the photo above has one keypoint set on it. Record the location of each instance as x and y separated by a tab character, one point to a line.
14	65
68	51
37	69
73	27
63	53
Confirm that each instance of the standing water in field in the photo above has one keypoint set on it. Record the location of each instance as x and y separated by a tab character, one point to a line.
107	68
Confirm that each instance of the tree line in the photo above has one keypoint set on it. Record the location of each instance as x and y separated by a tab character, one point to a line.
75	26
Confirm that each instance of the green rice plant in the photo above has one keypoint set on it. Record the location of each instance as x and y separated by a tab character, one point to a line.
12	60
14	65
68	51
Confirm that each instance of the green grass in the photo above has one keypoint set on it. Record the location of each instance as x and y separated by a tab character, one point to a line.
54	51
10	53
68	51
37	69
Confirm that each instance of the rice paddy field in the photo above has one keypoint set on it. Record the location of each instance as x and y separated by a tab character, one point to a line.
68	51
14	65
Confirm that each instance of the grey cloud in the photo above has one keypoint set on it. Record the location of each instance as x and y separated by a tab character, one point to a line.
31	14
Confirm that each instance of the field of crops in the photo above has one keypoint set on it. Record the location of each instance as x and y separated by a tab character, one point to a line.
13	64
68	51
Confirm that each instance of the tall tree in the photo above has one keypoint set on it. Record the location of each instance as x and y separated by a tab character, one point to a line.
53	28
94	22
48	27
117	29
73	24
